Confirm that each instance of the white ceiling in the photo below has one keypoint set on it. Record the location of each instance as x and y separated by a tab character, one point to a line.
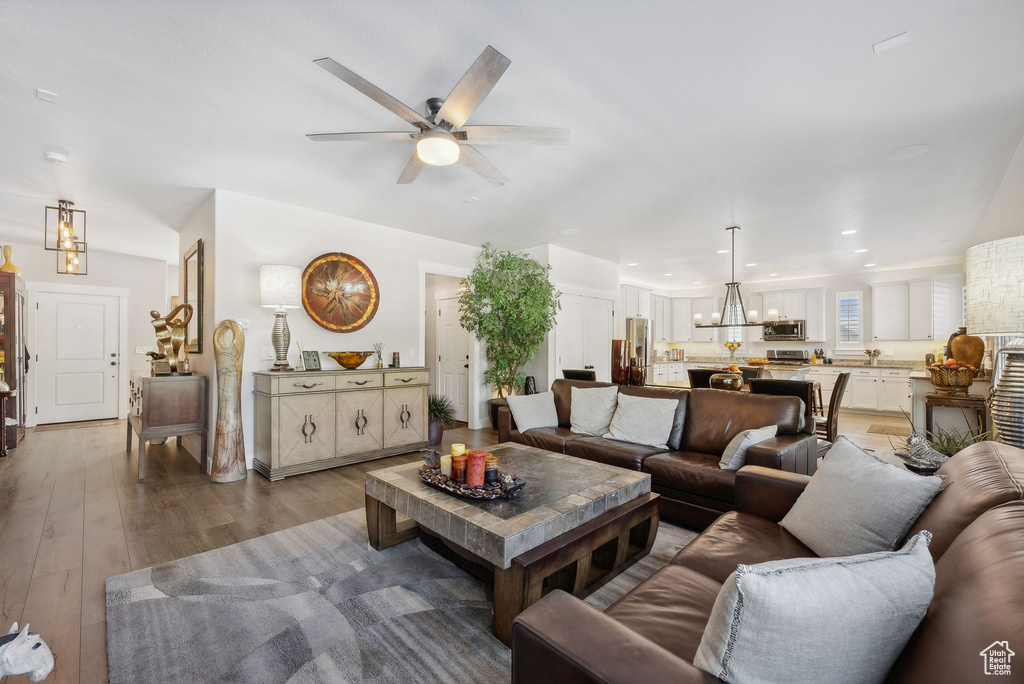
685	117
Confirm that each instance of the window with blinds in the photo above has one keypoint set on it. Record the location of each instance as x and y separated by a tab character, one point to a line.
848	315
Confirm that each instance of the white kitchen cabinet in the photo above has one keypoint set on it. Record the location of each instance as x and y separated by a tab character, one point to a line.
793	306
814	314
636	302
661	318
660	372
920	310
772	300
677	371
890	319
682	319
894	394
704	306
863	392
936	308
753	302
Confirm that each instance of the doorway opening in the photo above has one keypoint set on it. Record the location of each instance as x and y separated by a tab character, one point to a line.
447	344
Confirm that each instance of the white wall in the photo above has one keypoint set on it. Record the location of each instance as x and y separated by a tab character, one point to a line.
1005	216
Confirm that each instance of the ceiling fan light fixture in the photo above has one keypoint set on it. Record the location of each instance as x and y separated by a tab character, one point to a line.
437	147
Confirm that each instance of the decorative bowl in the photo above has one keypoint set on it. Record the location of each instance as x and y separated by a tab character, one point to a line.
727	381
948	379
350	359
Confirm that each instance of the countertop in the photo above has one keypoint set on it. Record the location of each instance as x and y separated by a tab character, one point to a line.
913	365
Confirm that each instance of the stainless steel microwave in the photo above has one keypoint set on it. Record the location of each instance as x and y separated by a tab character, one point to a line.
784	331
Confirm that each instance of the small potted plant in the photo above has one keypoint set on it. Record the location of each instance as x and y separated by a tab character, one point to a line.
440	415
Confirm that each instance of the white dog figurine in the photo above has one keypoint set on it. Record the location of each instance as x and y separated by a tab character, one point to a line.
25	653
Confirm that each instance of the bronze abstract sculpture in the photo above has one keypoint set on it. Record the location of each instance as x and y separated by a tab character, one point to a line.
170	333
229	448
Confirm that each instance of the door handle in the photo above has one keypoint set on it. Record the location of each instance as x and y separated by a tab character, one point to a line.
466	366
405	379
113	363
308	429
360	382
405	416
305	386
361	421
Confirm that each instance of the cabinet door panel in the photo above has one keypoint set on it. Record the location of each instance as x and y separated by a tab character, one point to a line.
682	319
793	305
864	393
360	422
920	293
890	311
405	416
306	428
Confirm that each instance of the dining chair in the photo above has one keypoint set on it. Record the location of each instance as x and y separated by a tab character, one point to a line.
802	389
700	377
827	427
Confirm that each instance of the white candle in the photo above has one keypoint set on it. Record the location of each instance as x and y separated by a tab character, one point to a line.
716	318
698	319
446	465
752	316
773	315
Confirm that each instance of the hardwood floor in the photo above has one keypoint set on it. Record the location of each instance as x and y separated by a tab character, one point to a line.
72	515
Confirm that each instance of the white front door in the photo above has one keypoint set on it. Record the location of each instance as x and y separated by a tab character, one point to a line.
78	367
452	357
583	335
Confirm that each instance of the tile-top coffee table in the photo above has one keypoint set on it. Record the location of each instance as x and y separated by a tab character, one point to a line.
576	524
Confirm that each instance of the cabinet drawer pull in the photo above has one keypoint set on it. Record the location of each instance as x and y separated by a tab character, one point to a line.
305	386
360	382
405	416
308	429
405	379
361	421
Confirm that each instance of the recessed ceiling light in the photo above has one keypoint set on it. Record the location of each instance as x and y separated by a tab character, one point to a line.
848	232
890	43
470	200
46	96
632	263
569	231
751	264
668	274
868	265
722	251
57	156
772	275
696	282
908	152
859	251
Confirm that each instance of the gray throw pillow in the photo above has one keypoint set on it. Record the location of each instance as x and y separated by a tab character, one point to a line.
735	454
591	409
856	503
815	620
643	420
533	410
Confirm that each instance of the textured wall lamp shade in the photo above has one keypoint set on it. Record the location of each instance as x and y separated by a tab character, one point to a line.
280	286
995	274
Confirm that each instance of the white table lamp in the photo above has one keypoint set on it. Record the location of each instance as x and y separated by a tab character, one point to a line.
995	308
280	290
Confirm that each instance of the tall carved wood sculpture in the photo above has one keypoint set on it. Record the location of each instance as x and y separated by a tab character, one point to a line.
170	333
229	450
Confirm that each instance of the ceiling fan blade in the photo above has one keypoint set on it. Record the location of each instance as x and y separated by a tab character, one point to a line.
375	136
479	164
411	170
373	92
473	87
516	135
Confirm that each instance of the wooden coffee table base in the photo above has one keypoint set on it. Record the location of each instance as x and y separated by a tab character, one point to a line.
580	561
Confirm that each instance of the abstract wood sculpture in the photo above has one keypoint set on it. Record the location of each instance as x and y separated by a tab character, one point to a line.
229	449
170	333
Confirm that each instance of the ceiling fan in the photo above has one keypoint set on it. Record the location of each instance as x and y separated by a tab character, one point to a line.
442	136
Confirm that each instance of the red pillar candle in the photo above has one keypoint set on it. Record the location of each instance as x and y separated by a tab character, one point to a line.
475	468
459	468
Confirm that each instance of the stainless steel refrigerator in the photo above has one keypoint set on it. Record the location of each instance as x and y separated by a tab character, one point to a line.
638	334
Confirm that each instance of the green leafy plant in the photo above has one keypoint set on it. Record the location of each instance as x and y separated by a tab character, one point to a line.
950	441
440	409
510	305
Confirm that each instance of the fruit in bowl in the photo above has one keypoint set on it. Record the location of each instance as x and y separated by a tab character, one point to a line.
952	376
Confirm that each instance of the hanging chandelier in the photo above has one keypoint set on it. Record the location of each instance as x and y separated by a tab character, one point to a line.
733	314
67	238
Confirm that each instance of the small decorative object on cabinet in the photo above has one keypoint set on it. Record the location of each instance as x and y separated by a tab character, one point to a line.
339	292
378	349
311	360
727	381
966	349
330	418
25	653
279	290
440	415
530	386
12	354
168	406
229	448
170	336
350	359
193	281
9	266
620	362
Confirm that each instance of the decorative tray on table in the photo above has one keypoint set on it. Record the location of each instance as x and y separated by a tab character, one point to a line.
506	487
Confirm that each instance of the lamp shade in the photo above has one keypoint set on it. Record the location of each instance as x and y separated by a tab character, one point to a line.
994	274
280	286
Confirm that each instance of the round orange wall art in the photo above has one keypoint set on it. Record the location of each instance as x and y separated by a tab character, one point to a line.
339	292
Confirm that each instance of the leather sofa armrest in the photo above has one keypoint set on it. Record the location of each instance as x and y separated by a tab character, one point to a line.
506	424
768	492
793	453
562	640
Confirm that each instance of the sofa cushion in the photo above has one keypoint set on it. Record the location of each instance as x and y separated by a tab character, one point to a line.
692	471
562	390
714	417
670	608
552	439
737	538
735	454
805	621
980	477
533	410
610	451
592	409
682	395
857	503
643	420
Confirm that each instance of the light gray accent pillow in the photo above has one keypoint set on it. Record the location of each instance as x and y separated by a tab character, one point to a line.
533	410
643	420
856	503
735	454
817	620
591	409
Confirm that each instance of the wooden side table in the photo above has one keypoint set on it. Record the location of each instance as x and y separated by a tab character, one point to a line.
969	402
166	406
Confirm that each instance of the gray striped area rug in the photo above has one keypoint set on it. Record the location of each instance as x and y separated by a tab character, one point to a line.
315	604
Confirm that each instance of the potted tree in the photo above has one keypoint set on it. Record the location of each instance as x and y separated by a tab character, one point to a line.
510	305
440	415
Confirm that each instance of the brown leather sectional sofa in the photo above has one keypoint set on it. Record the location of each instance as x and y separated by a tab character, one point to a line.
652	633
694	490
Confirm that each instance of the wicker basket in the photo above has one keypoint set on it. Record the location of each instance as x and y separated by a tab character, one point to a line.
948	379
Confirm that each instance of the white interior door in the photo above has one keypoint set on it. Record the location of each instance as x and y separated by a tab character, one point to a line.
597	324
569	335
453	357
78	367
583	335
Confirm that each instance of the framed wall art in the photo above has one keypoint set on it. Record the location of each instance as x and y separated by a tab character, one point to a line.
339	292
